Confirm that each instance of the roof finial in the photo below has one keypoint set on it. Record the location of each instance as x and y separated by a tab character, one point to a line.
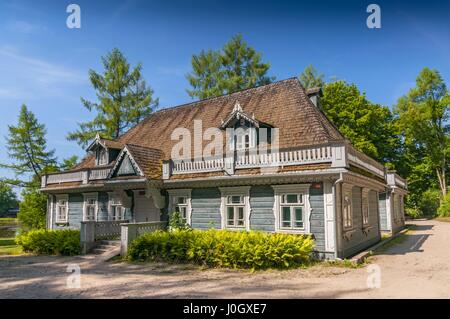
237	107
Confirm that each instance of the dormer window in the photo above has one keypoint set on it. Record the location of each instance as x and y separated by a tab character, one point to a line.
102	156
245	138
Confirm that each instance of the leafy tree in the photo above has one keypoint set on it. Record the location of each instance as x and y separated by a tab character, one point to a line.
27	146
235	67
8	198
32	209
310	77
423	117
371	127
68	163
124	99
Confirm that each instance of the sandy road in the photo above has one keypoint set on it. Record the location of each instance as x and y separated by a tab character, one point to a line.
417	267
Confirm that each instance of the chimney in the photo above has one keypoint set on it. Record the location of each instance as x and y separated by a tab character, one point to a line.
314	95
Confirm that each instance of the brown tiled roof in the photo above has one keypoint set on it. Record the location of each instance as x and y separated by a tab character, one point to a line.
313	90
284	104
148	159
111	143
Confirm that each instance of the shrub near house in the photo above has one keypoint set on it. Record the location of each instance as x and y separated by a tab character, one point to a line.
51	242
221	248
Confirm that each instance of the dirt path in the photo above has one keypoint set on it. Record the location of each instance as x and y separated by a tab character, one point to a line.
417	267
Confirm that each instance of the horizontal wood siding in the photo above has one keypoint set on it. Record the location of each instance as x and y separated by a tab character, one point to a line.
261	205
360	240
317	218
205	205
75	212
383	212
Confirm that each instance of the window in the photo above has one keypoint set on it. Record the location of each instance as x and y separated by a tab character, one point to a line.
90	207
365	207
235	207
180	201
347	213
235	211
292	211
102	156
62	209
117	211
245	138
292	208
181	206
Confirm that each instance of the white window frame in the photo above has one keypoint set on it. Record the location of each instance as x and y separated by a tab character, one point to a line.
365	207
243	191
176	193
100	160
64	197
115	197
238	142
347	215
301	189
86	198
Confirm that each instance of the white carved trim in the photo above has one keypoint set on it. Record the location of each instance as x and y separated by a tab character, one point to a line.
292	188
87	196
228	191
187	192
120	157
66	198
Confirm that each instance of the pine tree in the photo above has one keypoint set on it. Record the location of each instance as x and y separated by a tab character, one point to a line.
123	96
235	67
310	77
27	146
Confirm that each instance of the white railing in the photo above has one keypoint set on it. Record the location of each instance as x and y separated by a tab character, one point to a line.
64	177
131	231
108	229
79	176
95	174
362	160
297	157
294	157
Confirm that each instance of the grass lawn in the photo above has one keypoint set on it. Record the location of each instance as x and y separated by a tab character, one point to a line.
7	234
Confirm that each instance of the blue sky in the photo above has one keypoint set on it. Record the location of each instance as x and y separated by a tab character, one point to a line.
45	65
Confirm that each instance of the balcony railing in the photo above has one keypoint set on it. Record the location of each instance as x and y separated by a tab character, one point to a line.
83	176
322	154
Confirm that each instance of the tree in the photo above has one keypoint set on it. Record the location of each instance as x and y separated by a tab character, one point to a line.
8	198
32	209
371	127
423	117
124	99
233	68
27	146
310	77
68	163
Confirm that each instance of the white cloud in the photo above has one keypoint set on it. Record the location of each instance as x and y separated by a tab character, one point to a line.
24	27
39	70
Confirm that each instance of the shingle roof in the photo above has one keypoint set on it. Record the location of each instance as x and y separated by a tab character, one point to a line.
148	159
284	105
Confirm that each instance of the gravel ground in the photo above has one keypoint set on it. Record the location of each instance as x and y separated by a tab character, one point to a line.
416	267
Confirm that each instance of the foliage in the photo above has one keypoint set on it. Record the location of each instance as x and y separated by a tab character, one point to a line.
124	99
68	163
27	146
370	127
413	212
8	198
423	118
176	222
235	67
51	242
444	208
32	209
429	202
222	248
310	77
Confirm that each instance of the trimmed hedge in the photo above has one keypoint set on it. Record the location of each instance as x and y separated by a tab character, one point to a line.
51	242
222	248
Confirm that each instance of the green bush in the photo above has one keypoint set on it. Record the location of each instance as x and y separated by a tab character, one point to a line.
176	222
51	242
429	202
413	212
33	209
444	209
221	248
